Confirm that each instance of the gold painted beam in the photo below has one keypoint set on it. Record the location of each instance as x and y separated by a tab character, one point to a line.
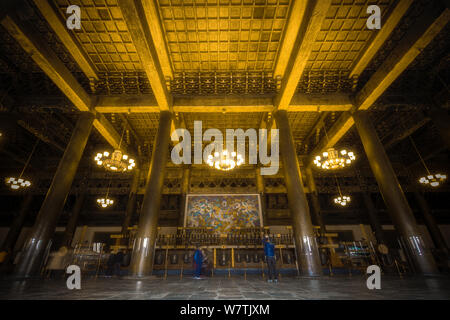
418	36
133	14
154	23
337	131
295	18
147	104
126	104
54	68
314	15
69	41
47	60
320	103
425	29
381	36
222	104
108	132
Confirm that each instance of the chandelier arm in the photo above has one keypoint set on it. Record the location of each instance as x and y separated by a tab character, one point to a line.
337	183
421	159
121	137
29	158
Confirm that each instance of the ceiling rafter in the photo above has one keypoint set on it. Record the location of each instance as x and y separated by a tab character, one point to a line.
55	69
295	18
222	103
69	41
133	14
313	16
154	23
380	37
425	29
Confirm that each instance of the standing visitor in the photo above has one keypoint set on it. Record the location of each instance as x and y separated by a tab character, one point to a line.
269	251
198	260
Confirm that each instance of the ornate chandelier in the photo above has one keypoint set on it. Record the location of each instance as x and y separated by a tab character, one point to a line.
116	162
16	184
342	200
105	202
433	180
225	160
333	159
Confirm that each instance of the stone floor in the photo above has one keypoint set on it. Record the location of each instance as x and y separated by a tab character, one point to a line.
220	287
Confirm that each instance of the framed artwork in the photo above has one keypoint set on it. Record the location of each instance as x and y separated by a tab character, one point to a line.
223	211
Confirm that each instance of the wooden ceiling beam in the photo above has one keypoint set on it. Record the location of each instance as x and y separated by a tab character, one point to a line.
54	68
154	23
47	60
148	104
312	18
381	36
293	24
424	30
134	16
67	38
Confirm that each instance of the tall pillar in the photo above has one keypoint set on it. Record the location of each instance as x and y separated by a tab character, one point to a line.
143	249
430	222
314	196
73	220
131	204
392	193
373	217
260	189
38	241
16	227
305	242
185	183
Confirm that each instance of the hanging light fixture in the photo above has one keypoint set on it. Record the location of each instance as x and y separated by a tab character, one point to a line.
341	199
433	180
115	161
20	182
225	160
333	159
106	201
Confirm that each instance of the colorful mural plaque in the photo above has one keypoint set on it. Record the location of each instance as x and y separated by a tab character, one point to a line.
223	211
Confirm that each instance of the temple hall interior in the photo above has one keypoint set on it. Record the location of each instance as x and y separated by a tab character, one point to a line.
224	149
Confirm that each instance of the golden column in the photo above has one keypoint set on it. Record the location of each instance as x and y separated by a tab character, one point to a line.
393	195
38	242
131	204
314	196
305	242
185	183
143	249
260	189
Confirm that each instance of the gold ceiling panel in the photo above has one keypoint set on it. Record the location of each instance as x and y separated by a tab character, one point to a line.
104	35
145	125
217	35
301	123
344	34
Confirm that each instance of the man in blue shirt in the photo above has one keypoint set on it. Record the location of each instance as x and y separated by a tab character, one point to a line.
198	260
269	251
